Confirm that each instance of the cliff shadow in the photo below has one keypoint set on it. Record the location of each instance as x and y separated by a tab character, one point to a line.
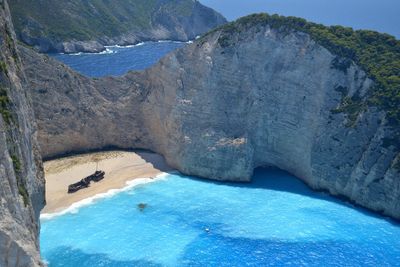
279	180
244	251
157	160
275	179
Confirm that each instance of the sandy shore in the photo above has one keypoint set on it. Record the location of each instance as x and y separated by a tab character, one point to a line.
120	167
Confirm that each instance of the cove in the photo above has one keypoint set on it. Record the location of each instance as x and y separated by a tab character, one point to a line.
275	220
117	60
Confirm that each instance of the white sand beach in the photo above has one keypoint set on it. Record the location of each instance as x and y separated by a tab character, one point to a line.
119	166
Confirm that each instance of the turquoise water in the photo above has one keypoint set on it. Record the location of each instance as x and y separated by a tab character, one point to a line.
276	220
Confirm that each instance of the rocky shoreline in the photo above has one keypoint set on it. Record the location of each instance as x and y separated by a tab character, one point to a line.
97	46
181	21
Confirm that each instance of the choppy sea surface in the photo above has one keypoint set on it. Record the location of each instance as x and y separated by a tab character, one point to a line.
117	60
182	221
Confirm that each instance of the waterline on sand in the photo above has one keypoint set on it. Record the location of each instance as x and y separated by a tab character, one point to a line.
184	221
74	208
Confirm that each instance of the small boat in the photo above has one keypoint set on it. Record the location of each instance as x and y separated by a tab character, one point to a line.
97	176
85	182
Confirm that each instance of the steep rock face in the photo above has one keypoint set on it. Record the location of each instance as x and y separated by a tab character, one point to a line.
268	100
21	174
220	111
82	26
76	113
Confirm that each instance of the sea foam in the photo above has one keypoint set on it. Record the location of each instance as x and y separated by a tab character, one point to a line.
124	59
107	51
125	46
104	52
74	208
110	48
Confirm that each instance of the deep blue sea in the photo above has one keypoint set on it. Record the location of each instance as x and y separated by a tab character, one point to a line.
379	15
274	221
118	60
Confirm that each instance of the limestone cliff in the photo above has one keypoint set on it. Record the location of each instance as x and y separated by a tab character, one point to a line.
87	26
235	100
21	175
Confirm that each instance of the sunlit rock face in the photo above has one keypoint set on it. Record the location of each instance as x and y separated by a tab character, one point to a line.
269	100
21	175
221	107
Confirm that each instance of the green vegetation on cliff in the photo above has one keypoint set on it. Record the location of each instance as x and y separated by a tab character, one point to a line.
81	20
378	54
89	20
4	106
7	117
3	67
21	186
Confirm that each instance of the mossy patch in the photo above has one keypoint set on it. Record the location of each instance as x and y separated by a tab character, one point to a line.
24	193
21	186
3	67
352	107
16	163
4	106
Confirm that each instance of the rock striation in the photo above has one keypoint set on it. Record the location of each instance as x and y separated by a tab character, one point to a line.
82	26
21	172
227	104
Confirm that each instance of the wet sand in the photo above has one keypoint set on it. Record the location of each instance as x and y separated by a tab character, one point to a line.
119	166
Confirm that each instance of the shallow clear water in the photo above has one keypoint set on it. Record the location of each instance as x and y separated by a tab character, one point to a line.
276	220
118	60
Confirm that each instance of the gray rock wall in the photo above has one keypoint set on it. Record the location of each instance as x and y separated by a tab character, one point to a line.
21	174
268	100
220	111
